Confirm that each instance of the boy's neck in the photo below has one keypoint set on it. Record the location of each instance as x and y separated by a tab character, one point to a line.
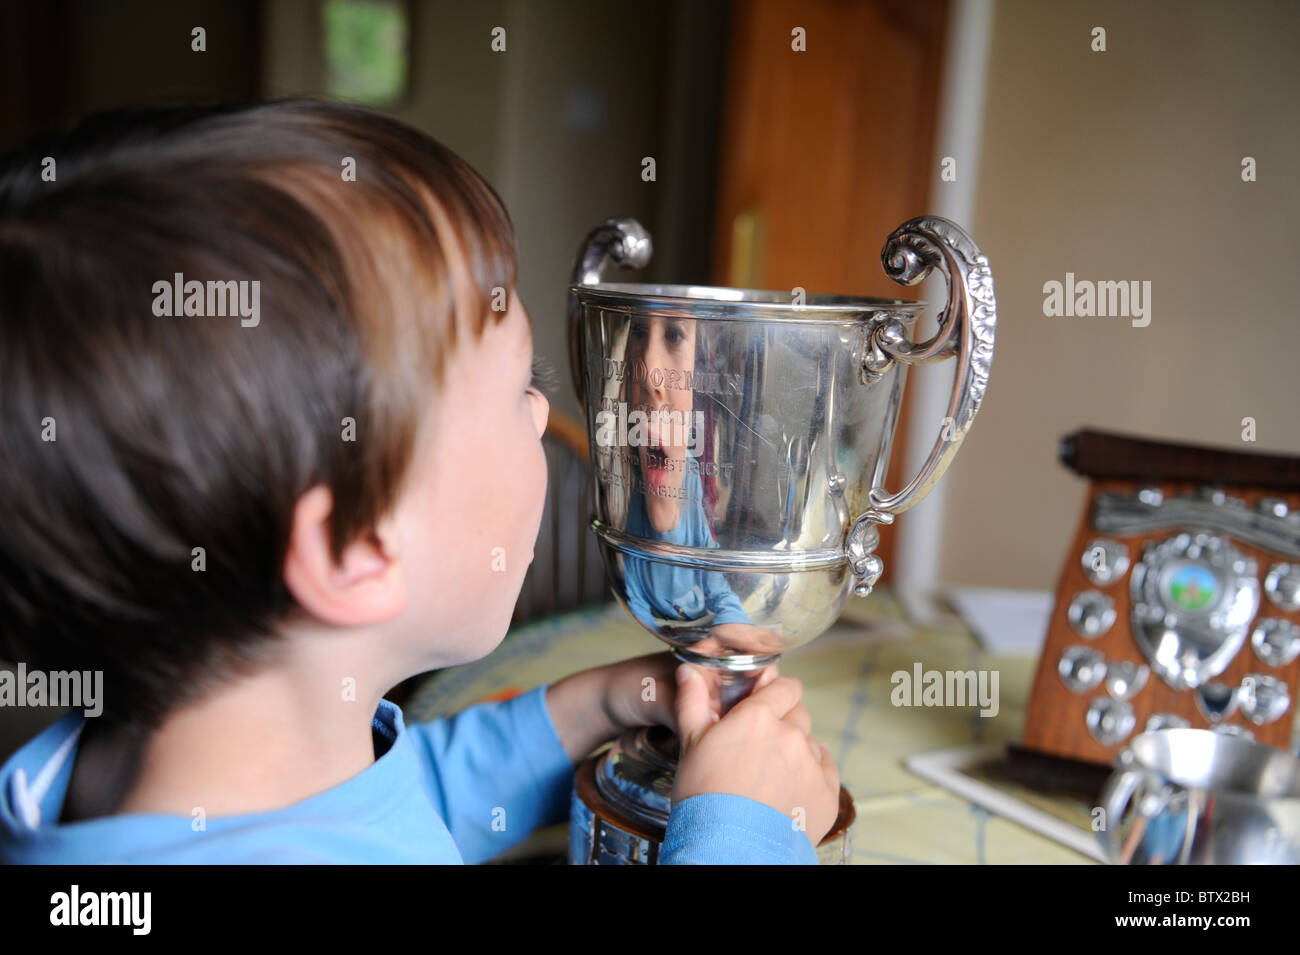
259	743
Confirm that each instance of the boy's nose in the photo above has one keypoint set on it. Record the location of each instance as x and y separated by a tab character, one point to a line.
657	366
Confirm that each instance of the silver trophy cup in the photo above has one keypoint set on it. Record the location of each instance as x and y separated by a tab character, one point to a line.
739	442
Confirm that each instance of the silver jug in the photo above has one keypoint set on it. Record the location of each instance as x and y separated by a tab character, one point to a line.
1192	796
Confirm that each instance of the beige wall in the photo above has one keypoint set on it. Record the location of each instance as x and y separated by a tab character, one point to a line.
512	115
559	176
456	81
1116	165
1127	165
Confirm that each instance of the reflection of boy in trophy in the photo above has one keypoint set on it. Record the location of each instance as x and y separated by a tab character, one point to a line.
1161	838
667	499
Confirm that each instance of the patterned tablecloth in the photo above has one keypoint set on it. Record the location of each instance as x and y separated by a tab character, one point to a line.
846	672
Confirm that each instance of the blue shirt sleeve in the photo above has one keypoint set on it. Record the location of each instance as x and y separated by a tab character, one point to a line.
496	771
725	829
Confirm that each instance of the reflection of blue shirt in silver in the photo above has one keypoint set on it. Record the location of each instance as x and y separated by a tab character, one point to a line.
1163	839
675	593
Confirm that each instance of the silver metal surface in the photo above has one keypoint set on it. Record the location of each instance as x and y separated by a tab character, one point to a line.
1091	613
1275	641
1189	796
621	241
1165	721
1125	680
1110	721
593	841
740	437
1217	701
1105	561
1152	496
739	443
636	775
1263	698
1145	513
1232	729
1274	506
1282	585
1081	668
966	329
1194	596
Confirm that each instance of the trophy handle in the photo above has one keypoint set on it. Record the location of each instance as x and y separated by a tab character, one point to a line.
1119	791
622	239
966	329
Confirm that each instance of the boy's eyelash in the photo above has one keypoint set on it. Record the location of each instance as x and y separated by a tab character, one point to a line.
544	378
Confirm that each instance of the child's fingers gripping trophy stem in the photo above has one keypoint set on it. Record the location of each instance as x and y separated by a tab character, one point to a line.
694	711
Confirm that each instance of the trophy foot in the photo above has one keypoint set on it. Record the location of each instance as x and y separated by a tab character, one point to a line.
622	797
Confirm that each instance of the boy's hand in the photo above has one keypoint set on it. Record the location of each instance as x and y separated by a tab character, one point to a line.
643	691
761	749
594	706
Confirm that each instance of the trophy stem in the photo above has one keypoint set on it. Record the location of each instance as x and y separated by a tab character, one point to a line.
737	675
735	686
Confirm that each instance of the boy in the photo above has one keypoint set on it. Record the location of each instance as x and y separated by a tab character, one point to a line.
255	519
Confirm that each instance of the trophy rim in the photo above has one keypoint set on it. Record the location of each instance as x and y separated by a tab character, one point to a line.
716	301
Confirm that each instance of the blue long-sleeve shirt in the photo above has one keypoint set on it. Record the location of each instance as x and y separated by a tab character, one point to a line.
460	789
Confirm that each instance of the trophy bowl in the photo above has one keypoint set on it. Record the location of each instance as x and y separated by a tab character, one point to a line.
739	441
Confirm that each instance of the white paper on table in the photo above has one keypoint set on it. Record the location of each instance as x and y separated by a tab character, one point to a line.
1006	622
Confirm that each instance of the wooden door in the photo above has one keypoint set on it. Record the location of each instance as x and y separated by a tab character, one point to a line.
828	149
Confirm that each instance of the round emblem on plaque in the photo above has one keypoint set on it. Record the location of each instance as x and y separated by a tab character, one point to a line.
1283	586
1192	587
1081	668
1276	641
1109	721
1194	596
1263	698
1105	561
1091	613
1125	680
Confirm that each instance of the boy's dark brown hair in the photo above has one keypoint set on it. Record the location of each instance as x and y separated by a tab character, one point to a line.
128	440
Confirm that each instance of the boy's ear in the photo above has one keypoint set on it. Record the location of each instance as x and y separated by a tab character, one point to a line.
367	584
